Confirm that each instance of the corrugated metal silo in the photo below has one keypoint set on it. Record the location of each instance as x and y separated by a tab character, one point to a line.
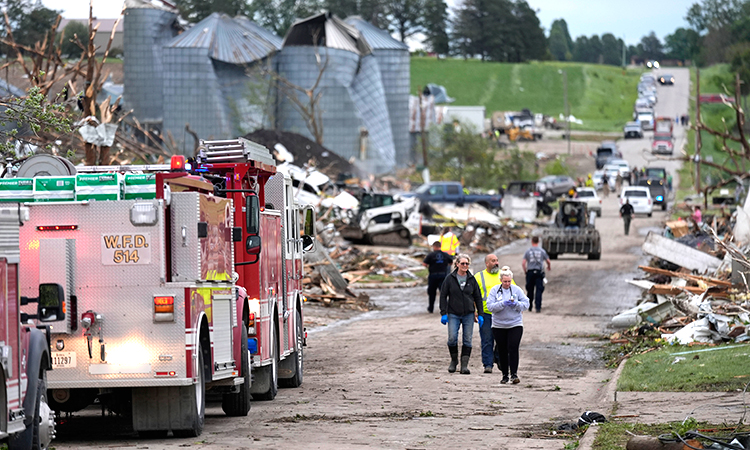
148	27
352	96
393	61
205	80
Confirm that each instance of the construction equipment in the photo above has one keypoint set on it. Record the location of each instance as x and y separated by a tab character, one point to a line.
520	134
380	220
573	232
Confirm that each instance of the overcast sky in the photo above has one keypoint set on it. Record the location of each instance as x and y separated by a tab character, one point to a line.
631	19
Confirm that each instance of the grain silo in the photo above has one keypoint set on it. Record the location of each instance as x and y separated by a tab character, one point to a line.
393	61
206	83
352	106
148	26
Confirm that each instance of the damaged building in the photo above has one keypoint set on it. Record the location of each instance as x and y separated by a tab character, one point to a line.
214	80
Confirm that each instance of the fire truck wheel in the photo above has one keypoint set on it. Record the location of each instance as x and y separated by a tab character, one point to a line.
272	370
197	394
40	432
238	404
296	380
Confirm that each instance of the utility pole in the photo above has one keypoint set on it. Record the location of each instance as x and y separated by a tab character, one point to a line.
423	124
623	51
567	106
698	142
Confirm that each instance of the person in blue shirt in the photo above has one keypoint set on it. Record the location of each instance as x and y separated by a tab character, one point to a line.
507	302
438	263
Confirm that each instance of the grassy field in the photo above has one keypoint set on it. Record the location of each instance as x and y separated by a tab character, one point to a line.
687	369
601	96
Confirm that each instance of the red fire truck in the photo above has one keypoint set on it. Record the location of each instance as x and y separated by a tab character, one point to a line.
27	421
175	291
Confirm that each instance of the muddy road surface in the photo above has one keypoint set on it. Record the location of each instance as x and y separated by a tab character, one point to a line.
380	379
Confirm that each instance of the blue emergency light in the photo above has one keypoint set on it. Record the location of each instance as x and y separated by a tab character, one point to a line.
252	345
659	198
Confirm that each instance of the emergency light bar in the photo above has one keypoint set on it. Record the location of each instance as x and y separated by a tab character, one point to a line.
56	227
177	163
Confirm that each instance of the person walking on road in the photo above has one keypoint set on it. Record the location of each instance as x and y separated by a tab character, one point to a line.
487	279
439	264
618	183
460	303
626	212
507	303
533	265
605	185
449	242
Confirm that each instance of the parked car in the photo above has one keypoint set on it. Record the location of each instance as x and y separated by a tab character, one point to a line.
657	189
662	144
553	186
606	151
642	103
593	202
640	198
656	172
623	165
666	79
646	118
453	192
633	130
597	179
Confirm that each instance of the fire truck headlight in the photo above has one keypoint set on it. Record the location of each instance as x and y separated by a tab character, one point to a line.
143	213
126	354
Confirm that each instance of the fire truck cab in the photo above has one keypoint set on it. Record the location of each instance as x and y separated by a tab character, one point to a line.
26	420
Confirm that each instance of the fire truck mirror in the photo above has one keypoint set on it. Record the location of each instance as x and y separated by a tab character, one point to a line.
309	224
308	243
252	245
252	219
51	302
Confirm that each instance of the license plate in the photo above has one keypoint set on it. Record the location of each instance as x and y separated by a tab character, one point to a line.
63	360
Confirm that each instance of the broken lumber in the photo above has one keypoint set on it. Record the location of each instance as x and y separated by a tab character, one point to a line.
686	276
668	289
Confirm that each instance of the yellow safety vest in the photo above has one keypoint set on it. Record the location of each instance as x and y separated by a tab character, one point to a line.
449	243
486	282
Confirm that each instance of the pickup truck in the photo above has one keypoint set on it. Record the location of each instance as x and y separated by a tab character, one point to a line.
453	192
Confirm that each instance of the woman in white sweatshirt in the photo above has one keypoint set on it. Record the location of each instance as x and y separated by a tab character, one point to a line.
507	302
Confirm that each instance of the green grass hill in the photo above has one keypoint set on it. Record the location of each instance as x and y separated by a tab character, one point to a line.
601	96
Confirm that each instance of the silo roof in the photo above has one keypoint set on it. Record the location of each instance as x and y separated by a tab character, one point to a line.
377	38
234	41
327	30
150	4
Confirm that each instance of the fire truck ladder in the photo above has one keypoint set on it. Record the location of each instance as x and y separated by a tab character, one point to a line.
234	150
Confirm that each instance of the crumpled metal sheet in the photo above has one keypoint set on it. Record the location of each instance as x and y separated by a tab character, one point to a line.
102	135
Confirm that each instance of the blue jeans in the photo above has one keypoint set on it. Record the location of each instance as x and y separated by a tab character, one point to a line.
467	324
489	356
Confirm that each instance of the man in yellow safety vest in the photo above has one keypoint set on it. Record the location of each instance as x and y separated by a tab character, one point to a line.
449	242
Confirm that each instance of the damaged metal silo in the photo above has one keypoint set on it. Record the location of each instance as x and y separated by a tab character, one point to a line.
353	109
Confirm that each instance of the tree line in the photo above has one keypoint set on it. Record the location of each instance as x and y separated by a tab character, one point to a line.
493	30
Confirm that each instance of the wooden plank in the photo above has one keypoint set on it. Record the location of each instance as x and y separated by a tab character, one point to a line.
686	276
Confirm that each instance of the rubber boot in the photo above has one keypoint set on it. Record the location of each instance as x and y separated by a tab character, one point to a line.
453	349
465	354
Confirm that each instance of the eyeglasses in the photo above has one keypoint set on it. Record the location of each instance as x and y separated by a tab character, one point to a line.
463	264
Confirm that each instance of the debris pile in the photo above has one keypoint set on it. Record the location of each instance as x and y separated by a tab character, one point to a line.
695	290
485	237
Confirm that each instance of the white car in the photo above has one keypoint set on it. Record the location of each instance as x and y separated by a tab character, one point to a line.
640	198
623	165
593	202
597	179
646	118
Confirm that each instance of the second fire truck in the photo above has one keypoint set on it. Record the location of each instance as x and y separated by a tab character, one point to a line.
172	291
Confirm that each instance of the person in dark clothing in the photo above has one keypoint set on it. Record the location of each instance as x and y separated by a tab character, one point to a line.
533	265
460	303
626	212
439	264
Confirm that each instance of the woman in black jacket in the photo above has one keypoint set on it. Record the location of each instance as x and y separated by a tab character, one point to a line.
460	301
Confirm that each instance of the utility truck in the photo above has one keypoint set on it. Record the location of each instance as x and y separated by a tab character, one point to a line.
177	279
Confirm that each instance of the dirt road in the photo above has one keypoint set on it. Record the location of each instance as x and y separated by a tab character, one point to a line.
380	381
